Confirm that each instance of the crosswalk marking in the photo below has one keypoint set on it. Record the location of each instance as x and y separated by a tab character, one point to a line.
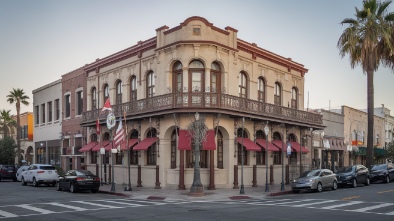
43	211
309	204
124	203
68	206
96	204
292	202
342	205
373	207
390	213
7	214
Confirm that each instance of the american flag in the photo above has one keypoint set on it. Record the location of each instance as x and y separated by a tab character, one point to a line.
119	136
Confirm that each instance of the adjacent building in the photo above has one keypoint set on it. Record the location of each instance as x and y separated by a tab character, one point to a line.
26	136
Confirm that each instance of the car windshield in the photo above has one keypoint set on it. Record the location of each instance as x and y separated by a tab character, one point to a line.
345	169
380	167
47	167
83	173
310	173
9	167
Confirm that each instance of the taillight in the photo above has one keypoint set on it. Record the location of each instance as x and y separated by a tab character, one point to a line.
97	179
80	179
40	171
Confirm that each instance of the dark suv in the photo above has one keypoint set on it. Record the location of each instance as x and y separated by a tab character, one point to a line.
8	172
353	175
383	172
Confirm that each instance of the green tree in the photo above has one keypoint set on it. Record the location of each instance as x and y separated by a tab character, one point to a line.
7	124
18	96
7	151
368	42
389	153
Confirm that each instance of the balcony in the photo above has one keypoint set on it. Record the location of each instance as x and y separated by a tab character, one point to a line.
206	102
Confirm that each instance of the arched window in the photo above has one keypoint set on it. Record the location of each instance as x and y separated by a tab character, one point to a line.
118	92
152	150
277	94
196	76
133	153
219	142
133	88
106	158
93	154
94	98
215	77
260	155
174	138
261	90
294	98
243	85
177	77
150	84
106	93
241	149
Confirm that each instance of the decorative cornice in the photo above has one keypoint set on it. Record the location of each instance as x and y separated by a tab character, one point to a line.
162	28
231	29
197	42
197	18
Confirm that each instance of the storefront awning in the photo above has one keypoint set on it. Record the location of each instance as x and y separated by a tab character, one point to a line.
105	144
248	144
296	147
184	142
278	144
88	146
124	145
263	143
146	143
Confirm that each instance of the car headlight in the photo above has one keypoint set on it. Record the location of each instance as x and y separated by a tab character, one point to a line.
382	173
348	177
294	181
311	180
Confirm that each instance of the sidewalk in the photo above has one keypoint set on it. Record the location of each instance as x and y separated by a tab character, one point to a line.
174	194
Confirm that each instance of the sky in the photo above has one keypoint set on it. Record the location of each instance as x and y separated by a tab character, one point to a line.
42	40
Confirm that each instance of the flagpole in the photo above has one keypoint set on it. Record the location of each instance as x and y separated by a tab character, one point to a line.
128	188
101	158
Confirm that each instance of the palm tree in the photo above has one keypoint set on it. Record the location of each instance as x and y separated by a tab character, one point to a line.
18	96
7	124
367	41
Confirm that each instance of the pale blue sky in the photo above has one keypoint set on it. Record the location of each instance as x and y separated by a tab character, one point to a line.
44	39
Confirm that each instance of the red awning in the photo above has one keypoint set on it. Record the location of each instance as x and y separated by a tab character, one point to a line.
278	144
248	144
296	147
132	142
271	147
209	142
88	146
105	144
146	143
184	140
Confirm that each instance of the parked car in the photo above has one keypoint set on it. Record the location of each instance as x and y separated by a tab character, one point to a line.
383	172
353	175
7	172
40	174
75	180
19	172
315	180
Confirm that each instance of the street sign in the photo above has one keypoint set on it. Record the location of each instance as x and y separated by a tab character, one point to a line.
288	149
102	150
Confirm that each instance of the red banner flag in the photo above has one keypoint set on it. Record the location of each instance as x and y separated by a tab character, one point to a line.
107	105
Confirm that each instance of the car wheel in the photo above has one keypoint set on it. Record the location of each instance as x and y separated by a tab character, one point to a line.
334	185
72	188
58	186
0	178
354	183
35	184
23	182
94	190
387	179
319	187
368	182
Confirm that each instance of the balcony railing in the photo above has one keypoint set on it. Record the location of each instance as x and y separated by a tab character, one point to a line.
206	100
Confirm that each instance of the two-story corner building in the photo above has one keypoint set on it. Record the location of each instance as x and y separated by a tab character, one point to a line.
356	134
329	148
27	134
236	86
74	97
47	103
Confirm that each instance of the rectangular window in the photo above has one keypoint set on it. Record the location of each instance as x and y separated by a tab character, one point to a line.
133	157
67	104
43	112
50	111
152	155
66	143
26	130
57	109
277	157
37	114
173	153
242	153
119	158
203	159
79	102
260	157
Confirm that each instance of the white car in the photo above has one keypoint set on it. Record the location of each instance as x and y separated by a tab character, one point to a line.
19	172
40	174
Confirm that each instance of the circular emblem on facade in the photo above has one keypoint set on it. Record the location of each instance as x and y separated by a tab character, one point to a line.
111	121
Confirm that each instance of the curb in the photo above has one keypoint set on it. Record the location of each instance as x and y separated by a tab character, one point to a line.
114	193
280	193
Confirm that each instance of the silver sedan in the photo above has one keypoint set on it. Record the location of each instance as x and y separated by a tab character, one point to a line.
315	180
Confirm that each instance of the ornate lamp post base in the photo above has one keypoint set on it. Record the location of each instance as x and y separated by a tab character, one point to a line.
197	191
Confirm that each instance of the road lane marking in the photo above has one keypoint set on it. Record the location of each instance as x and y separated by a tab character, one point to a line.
124	203
7	214
351	197
43	211
96	204
388	191
308	204
341	205
373	207
298	201
68	206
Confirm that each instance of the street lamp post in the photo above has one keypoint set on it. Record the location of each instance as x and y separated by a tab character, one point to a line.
266	130
112	168
242	190
282	184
